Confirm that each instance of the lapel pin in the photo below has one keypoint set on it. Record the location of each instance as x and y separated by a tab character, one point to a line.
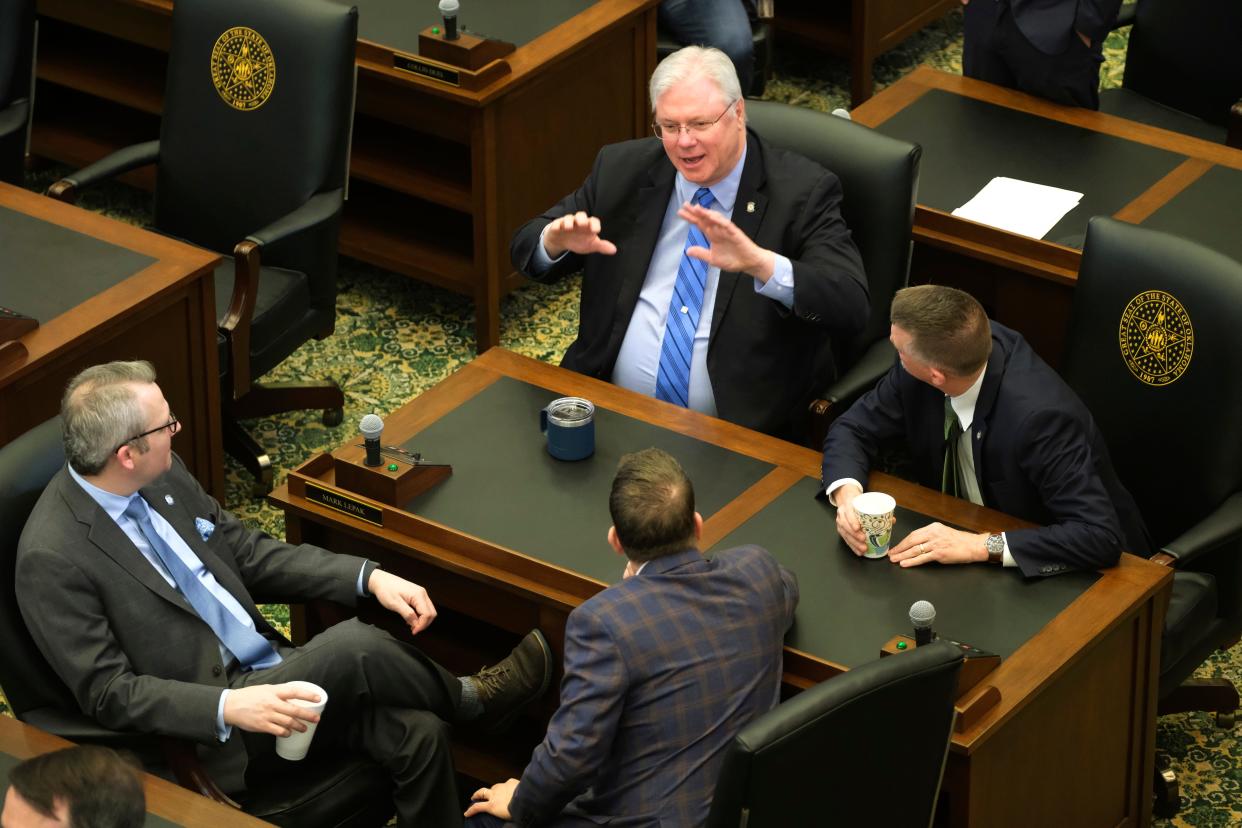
168	499
750	206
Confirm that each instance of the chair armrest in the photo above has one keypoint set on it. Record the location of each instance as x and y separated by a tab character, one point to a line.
1233	137
1218	528
13	117
875	362
247	262
178	754
1125	15
110	166
318	208
77	727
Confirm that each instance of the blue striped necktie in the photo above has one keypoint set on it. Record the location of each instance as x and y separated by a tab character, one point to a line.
673	377
252	650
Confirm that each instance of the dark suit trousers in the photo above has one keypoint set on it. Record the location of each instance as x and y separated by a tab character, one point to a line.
386	700
996	51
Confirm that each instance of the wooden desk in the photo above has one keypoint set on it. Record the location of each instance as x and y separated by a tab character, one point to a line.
158	306
440	177
171	803
859	30
1077	699
971	131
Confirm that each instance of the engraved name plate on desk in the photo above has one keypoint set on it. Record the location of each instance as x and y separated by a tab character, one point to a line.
340	502
426	68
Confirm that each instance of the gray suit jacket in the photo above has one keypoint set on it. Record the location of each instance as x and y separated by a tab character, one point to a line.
129	647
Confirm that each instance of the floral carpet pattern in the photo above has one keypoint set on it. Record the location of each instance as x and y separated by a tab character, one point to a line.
396	337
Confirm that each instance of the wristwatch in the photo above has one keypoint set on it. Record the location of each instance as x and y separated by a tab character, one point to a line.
996	548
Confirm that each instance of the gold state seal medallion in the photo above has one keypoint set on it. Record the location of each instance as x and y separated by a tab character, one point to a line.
1157	339
243	69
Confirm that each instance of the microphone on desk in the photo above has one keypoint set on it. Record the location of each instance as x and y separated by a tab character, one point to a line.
922	616
449	8
371	426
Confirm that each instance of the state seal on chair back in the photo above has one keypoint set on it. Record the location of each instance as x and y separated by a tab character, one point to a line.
1154	352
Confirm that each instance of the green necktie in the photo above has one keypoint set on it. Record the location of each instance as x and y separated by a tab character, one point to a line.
951	475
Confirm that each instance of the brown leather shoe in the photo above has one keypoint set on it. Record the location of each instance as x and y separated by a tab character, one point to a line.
514	682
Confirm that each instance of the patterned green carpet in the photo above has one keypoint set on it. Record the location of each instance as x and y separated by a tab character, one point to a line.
396	337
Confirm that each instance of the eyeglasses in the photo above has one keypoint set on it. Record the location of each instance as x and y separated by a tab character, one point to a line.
669	130
173	425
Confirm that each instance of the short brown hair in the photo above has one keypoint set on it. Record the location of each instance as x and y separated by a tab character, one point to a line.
99	787
948	327
100	412
652	505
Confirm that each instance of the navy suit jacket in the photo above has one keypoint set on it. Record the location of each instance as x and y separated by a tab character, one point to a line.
661	671
1038	456
761	357
1050	25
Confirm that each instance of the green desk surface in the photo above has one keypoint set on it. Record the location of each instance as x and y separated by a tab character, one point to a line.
506	488
1206	211
967	142
851	606
396	23
7	763
46	269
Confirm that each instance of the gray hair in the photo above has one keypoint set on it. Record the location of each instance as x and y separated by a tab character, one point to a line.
100	412
695	62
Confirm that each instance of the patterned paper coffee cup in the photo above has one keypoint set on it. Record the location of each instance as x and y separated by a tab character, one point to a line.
875	513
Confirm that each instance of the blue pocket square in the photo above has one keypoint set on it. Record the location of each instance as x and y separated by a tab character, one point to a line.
204	526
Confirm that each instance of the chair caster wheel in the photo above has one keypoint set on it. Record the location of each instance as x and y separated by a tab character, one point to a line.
1166	795
333	416
1226	721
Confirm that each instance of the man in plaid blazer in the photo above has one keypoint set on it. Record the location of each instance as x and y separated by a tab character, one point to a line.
661	669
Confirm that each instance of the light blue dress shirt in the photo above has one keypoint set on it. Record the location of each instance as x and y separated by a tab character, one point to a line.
638	361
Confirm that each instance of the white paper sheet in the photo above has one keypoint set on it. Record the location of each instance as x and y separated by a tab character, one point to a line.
1019	206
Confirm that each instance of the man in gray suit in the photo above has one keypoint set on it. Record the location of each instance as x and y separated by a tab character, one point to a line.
137	587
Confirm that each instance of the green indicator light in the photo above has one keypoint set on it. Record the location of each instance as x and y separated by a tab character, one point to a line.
392	466
901	645
435	29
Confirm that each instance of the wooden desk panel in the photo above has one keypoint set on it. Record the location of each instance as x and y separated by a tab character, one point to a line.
164	313
164	799
1051	718
859	30
441	176
1028	283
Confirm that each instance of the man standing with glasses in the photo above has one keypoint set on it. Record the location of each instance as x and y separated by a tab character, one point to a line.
715	266
137	588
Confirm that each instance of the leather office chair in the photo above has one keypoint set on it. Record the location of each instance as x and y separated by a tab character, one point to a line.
17	39
761	40
349	790
841	743
252	159
1168	401
880	178
1183	68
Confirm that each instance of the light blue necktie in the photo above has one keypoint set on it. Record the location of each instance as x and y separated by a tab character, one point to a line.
252	650
673	377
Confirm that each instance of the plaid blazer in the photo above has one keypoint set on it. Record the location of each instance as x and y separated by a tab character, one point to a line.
661	671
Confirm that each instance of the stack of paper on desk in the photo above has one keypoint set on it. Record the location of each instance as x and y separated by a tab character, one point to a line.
1019	206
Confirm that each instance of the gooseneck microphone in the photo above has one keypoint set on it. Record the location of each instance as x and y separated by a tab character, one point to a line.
449	8
371	426
922	616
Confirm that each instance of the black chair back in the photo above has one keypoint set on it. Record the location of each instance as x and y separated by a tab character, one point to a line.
879	178
26	466
1187	54
1154	352
871	743
257	112
17	35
